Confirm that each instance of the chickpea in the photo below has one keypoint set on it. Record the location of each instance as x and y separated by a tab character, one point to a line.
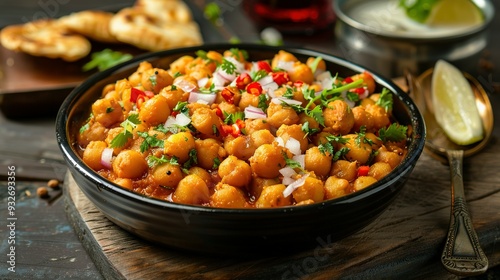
227	196
278	115
167	175
339	117
297	94
156	79
248	99
378	170
258	183
311	189
392	158
130	164
203	174
107	111
336	187
256	125
154	111
95	132
321	64
185	81
267	160
293	131
359	149
227	108
363	182
229	94
344	169
179	145
191	190
240	56
240	147
318	162
174	96
368	80
216	56
272	196
282	56
301	72
379	115
311	122
361	118
107	89
135	78
179	65
210	152
92	154
207	122
235	172
261	137
124	183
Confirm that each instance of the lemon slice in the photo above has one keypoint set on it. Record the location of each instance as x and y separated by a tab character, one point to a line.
454	105
455	12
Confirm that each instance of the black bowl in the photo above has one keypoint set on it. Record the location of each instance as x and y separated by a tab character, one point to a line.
233	231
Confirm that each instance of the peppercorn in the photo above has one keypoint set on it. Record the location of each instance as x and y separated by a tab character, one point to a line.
42	192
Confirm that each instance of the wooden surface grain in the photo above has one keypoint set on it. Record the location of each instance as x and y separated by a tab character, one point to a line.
406	241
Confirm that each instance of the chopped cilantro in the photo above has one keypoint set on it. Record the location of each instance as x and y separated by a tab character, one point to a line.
234	117
263	102
152	79
258	75
150	141
129	124
105	59
385	100
228	66
308	130
340	153
84	127
154	161
395	132
361	135
288	93
314	64
216	163
192	161
181	107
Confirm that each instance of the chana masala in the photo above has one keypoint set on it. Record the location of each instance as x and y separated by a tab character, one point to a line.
220	130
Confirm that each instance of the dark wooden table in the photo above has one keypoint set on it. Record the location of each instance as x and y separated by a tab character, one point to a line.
404	242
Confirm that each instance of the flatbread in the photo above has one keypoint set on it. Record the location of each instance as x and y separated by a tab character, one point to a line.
91	24
47	38
137	27
166	10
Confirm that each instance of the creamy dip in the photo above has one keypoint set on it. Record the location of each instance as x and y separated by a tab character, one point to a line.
388	18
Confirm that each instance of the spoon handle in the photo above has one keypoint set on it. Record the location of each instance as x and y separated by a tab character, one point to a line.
462	254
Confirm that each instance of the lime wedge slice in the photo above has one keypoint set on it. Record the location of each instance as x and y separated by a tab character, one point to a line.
455	12
454	105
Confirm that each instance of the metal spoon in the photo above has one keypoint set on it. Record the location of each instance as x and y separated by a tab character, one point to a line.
462	254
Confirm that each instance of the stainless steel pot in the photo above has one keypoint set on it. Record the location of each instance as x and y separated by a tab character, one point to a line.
390	53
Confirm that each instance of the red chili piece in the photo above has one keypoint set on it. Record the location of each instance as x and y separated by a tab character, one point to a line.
254	88
227	95
243	80
363	170
280	77
264	65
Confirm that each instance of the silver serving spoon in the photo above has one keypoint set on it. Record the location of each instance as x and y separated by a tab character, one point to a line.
462	254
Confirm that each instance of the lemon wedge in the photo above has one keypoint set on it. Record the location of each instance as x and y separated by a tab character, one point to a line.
454	105
454	13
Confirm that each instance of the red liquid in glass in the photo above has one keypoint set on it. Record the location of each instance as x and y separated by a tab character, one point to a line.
292	16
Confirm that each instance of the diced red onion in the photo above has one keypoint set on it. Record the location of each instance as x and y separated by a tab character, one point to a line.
287	181
285	65
182	119
185	85
301	159
293	145
228	77
198	97
295	185
279	100
218	80
280	141
266	80
252	112
287	171
202	82
106	157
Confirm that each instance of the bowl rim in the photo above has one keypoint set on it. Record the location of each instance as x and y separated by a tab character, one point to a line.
62	124
340	10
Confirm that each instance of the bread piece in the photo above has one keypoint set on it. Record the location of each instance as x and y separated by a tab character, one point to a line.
47	38
91	24
166	10
137	27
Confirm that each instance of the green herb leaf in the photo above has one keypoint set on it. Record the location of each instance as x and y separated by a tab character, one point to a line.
314	64
228	66
263	102
129	124
105	59
395	132
150	141
418	10
385	100
154	161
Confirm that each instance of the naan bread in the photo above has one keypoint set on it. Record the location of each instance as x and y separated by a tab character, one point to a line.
137	27
45	37
166	10
91	24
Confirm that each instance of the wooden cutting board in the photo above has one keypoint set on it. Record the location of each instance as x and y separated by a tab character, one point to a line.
406	241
